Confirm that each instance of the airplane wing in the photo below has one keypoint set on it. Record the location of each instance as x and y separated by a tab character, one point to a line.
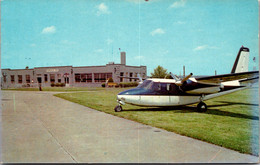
243	76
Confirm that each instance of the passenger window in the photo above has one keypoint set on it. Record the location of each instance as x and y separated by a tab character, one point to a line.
163	87
168	87
156	87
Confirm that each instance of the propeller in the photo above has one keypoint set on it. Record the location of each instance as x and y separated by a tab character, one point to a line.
180	82
140	79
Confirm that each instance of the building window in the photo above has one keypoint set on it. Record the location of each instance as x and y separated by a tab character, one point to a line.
102	77
12	78
52	78
131	75
59	78
77	77
4	78
83	77
28	78
89	77
20	79
45	77
121	74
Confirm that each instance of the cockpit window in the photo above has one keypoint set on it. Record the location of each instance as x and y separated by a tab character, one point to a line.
146	84
161	87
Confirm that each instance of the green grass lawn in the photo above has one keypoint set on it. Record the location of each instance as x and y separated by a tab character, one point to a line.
231	121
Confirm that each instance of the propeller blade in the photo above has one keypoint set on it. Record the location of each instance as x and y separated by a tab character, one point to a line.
180	82
186	78
140	79
174	77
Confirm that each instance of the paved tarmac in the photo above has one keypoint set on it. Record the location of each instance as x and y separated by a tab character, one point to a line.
39	127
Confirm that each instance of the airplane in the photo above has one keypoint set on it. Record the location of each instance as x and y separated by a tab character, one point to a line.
190	90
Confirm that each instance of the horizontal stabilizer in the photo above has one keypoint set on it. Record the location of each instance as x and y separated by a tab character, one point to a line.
249	81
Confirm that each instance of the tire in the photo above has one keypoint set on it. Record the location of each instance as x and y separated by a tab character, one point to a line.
118	108
202	107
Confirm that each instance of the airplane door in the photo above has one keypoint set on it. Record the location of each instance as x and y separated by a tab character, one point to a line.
173	94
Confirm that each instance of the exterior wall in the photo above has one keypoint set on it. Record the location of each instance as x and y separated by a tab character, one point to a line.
89	70
59	74
68	74
7	83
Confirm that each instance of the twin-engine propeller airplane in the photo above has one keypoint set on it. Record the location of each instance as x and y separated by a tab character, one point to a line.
190	90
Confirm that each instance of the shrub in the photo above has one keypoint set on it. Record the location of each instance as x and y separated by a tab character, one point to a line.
110	79
52	84
57	84
103	85
63	84
128	84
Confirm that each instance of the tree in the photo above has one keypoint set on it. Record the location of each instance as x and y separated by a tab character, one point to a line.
160	72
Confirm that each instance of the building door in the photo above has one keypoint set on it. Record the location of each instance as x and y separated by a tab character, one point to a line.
39	79
66	80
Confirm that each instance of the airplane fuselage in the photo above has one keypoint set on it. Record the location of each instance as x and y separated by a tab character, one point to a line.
164	92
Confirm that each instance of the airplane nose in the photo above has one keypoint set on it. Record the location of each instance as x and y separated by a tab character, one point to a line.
134	91
124	93
120	97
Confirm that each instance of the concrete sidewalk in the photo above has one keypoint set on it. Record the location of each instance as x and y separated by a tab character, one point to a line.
38	127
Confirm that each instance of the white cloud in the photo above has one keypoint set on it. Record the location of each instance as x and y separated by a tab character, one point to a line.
165	52
135	1
138	57
102	9
179	3
180	22
203	47
99	50
109	41
66	42
142	1
200	47
50	29
32	45
157	31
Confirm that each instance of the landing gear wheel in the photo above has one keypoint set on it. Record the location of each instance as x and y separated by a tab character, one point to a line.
202	107
118	108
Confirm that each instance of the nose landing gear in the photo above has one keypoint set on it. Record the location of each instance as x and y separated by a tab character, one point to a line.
118	108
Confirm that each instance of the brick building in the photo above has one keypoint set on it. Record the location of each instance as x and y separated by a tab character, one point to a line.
84	76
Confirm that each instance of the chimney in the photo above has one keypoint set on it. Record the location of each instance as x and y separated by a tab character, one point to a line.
123	59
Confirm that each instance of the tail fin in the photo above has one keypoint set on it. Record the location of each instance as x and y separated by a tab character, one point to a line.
241	63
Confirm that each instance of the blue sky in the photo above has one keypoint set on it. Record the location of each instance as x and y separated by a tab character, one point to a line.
203	35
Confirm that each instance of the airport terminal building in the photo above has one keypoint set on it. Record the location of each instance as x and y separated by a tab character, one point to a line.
83	76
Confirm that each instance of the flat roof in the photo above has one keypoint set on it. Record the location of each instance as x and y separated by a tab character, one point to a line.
73	67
